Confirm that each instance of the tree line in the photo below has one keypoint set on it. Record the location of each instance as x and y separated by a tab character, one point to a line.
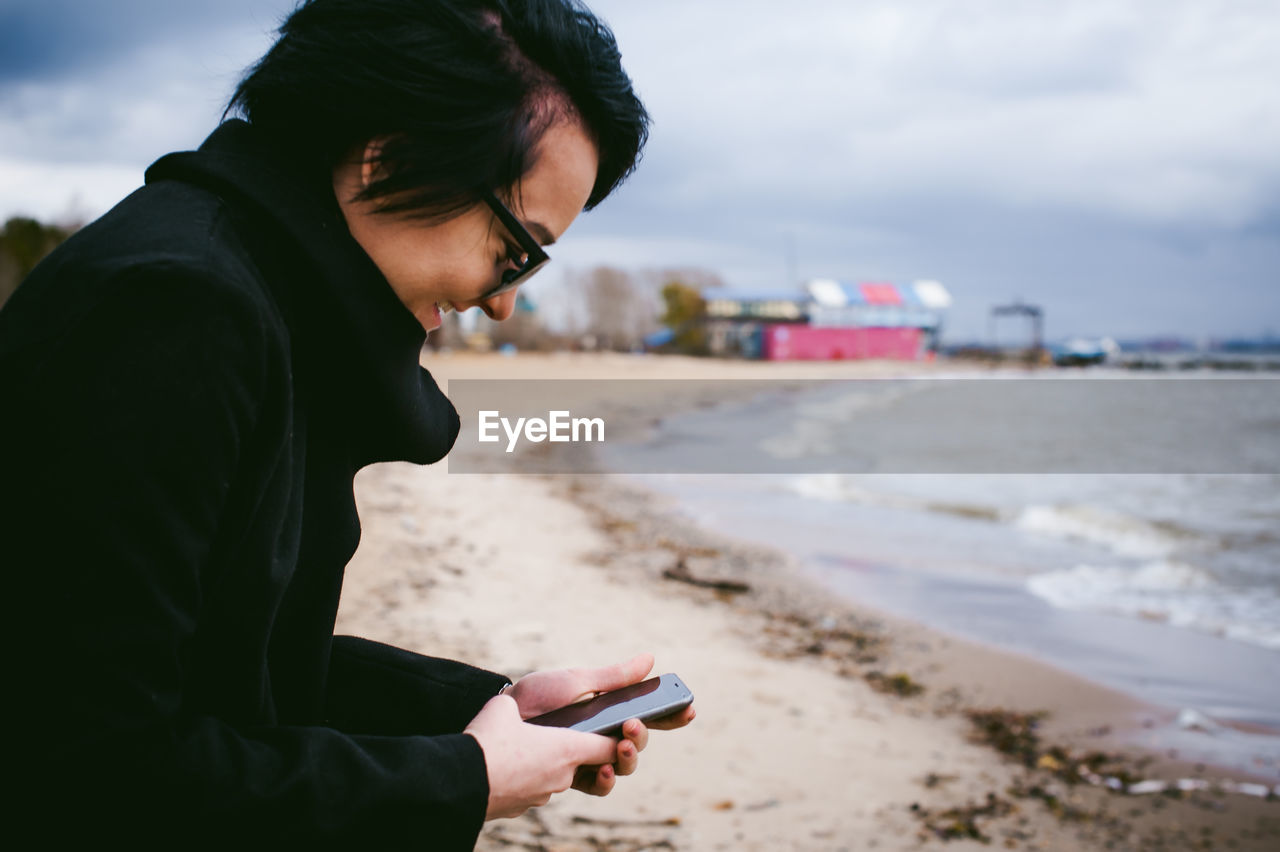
24	243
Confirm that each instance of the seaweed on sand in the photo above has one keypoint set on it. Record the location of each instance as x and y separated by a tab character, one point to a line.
962	823
1015	735
899	684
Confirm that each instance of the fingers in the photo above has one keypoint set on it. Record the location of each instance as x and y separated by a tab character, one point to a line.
628	758
675	720
635	731
635	738
599	778
595	780
621	674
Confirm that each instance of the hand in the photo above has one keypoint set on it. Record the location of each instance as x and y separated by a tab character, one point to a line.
528	764
541	692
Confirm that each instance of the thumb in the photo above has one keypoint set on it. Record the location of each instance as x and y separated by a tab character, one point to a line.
620	674
591	749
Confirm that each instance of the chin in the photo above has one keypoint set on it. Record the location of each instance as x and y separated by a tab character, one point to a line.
430	317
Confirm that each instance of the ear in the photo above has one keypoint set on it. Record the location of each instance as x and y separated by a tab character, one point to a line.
371	161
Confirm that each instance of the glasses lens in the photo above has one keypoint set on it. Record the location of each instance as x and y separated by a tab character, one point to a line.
513	278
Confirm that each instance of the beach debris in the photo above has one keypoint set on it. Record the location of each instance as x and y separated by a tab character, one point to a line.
1190	719
962	823
669	822
1015	735
726	805
1048	761
1144	787
690	551
681	574
616	525
933	780
1011	733
1190	785
579	834
1060	808
899	684
798	636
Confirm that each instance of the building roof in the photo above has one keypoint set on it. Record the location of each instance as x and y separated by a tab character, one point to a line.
831	293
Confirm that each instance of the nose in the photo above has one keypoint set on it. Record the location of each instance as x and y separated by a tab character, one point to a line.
497	308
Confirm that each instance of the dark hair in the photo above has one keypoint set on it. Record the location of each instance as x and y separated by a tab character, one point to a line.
463	89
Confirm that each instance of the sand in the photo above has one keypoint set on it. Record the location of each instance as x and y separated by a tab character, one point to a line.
793	747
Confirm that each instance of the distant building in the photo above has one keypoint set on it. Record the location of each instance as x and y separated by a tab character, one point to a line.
829	320
737	320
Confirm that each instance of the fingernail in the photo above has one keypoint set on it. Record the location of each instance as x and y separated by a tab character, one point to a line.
606	773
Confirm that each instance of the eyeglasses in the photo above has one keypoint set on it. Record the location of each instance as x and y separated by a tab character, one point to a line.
533	258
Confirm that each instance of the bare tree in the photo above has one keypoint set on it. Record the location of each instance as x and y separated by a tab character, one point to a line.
620	309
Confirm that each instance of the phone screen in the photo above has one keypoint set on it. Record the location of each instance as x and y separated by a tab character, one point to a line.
650	699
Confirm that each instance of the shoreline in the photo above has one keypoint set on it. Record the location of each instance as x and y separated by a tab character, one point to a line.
686	385
796	745
698	385
967	671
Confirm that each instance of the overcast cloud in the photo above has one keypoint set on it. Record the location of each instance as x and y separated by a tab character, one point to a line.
1113	161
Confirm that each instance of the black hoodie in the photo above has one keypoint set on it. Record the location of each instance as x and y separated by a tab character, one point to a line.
189	385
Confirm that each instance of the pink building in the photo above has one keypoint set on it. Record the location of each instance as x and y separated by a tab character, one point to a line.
829	320
807	343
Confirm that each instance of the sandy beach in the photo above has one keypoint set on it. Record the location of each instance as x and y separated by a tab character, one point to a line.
822	724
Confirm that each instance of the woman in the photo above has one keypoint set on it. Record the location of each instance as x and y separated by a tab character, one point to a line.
193	381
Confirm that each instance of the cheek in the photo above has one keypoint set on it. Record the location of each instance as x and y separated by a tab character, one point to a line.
464	277
439	272
453	261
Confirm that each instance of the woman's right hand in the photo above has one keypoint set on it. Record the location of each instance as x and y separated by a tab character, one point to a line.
527	764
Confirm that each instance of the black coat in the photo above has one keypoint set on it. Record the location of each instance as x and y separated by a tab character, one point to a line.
189	385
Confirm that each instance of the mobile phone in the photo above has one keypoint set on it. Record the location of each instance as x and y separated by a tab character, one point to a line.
604	714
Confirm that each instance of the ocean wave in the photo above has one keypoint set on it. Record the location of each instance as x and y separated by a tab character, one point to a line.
1169	591
1122	534
834	487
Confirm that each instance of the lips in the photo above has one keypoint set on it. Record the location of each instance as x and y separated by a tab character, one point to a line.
436	317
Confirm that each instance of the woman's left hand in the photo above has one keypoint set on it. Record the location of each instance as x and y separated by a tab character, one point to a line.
542	692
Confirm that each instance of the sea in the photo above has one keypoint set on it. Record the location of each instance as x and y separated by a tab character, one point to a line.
1136	542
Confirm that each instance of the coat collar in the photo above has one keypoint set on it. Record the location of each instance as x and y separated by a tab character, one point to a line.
356	346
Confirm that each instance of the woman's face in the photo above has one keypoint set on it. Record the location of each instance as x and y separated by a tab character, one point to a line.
455	263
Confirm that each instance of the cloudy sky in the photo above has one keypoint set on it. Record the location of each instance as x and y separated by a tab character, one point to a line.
1114	161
